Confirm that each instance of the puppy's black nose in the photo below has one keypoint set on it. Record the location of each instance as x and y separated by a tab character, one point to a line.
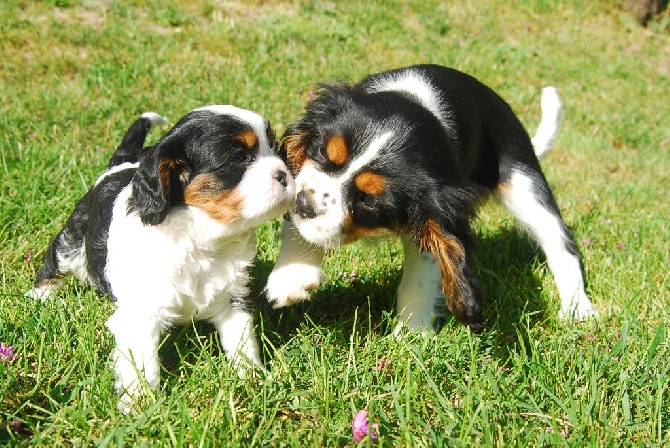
280	176
303	207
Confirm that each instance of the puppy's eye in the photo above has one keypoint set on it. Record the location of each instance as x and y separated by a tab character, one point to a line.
241	156
365	200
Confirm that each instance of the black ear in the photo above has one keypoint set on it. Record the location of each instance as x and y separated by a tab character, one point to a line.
158	185
445	232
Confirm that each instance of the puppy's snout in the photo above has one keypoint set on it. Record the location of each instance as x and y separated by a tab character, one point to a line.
303	206
282	178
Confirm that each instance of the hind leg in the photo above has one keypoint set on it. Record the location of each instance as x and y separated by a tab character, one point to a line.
66	255
527	196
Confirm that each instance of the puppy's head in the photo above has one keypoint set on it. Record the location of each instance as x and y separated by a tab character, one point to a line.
373	163
369	164
219	159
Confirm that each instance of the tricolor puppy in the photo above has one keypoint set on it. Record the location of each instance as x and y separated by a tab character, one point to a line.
412	152
168	233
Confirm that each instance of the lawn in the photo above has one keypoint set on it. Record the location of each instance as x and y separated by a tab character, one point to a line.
75	74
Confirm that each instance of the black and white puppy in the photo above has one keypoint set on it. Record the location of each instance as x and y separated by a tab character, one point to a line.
168	233
412	152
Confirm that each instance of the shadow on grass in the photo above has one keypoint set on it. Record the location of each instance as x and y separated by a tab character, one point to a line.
505	263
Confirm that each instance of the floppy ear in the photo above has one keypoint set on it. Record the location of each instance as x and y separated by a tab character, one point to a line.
158	184
448	239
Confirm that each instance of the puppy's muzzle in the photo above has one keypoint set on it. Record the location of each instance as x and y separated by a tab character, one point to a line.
304	206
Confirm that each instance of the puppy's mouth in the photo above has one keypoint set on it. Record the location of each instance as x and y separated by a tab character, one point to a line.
320	222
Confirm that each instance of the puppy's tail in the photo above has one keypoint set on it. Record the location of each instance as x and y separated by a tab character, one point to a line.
131	146
552	111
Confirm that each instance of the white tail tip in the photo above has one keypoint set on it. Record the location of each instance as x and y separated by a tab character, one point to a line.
552	111
154	118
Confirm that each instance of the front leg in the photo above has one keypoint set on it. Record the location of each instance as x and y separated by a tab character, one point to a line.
436	258
298	269
135	356
238	338
419	289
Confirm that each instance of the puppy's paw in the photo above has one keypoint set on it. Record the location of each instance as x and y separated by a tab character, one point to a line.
580	309
130	399
247	371
45	290
126	404
292	283
404	329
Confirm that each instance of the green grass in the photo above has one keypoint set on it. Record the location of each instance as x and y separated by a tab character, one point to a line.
75	74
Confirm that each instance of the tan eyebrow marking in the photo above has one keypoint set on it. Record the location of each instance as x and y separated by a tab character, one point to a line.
248	138
370	183
336	149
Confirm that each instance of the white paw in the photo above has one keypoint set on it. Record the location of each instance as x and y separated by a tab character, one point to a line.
246	370
45	290
580	309
129	397
406	325
292	283
125	404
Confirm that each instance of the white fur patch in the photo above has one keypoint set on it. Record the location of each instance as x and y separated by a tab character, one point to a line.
116	169
421	89
325	228
264	197
546	228
256	122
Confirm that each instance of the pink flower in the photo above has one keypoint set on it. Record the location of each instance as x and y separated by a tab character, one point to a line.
351	276
361	428
383	364
7	352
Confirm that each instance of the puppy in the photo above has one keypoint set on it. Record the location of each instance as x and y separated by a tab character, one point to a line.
168	233
412	152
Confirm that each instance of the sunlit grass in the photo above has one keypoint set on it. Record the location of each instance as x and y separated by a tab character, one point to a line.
75	74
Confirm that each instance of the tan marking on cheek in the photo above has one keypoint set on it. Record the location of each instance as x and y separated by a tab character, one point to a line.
294	145
370	183
206	194
336	150
248	138
503	188
353	232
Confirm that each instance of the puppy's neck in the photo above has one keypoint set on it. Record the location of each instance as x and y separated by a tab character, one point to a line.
207	233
